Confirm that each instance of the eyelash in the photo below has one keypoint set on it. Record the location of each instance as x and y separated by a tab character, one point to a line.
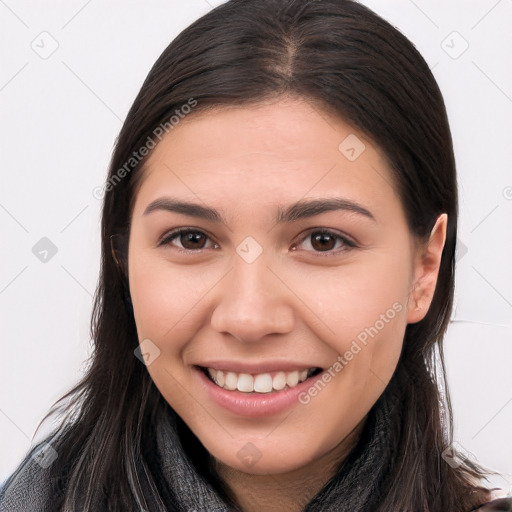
348	243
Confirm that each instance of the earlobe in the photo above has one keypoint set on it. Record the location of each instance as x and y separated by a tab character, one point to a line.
426	271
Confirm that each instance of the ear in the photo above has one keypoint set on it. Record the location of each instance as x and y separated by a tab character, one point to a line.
426	269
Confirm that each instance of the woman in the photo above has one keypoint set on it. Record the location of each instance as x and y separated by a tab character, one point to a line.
278	241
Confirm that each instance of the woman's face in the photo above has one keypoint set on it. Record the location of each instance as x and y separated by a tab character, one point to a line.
298	265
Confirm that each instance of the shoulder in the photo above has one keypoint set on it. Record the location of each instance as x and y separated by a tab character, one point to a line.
498	505
31	486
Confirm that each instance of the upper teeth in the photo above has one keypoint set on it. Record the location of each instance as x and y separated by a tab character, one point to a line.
259	383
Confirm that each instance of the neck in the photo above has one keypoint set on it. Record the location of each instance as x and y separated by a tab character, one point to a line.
290	491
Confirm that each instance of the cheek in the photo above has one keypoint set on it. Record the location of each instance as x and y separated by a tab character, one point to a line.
167	304
362	313
165	298
350	298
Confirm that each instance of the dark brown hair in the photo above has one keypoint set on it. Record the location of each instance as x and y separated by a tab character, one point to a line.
343	58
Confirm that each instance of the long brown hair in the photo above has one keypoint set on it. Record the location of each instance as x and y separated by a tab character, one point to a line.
338	55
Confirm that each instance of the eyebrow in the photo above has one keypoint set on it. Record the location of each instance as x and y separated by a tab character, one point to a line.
299	210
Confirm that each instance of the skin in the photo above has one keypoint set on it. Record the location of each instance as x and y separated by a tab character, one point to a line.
295	302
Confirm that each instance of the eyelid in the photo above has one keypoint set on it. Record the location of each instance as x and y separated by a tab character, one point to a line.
348	241
173	233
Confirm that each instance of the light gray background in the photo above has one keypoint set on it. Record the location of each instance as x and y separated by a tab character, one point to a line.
59	119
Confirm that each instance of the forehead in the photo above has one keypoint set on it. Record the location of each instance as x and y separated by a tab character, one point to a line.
280	151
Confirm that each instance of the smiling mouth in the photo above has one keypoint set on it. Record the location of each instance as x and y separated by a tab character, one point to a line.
261	382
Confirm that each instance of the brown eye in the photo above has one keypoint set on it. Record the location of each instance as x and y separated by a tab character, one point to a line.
323	241
189	239
192	240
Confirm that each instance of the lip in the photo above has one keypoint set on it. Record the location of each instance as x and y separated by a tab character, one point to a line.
255	405
253	369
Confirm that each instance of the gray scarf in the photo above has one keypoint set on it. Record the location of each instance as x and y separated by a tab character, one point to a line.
29	489
355	490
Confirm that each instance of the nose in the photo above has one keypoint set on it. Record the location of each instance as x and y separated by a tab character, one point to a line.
253	302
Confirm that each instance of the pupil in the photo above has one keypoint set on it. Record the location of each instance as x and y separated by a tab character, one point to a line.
322	239
192	237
